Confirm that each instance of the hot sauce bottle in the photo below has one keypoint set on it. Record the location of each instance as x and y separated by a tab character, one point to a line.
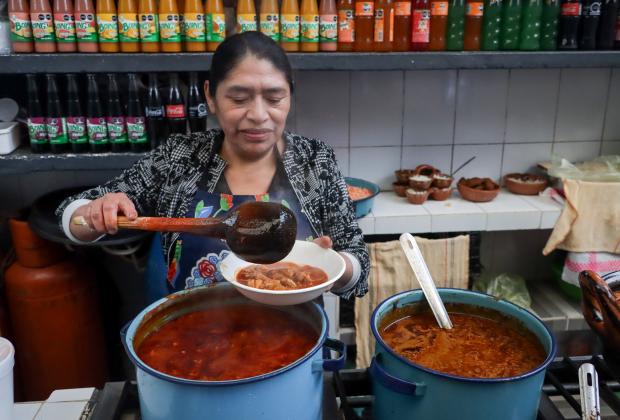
21	30
42	26
216	24
328	26
148	21
129	31
107	26
289	25
309	27
64	26
346	25
85	28
169	26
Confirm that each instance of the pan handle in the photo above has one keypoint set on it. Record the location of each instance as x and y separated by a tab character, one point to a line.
393	383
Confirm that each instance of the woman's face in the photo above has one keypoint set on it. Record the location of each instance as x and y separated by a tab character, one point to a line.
251	106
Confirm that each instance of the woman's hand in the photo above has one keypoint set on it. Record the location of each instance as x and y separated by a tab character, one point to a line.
326	242
101	216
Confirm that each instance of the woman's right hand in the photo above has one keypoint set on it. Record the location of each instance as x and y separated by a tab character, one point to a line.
101	216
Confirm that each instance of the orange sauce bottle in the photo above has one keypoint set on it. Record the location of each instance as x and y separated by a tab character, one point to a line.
384	25
194	26
364	25
346	25
64	26
289	25
402	25
439	25
107	26
309	26
42	26
216	24
21	29
474	10
85	27
169	26
270	19
129	31
328	26
246	16
149	26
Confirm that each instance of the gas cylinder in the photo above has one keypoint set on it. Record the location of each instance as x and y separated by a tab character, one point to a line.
55	318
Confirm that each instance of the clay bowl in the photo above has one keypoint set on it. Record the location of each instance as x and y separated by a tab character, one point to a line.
440	194
427	170
442	181
420	182
476	195
400	189
416	196
402	176
525	184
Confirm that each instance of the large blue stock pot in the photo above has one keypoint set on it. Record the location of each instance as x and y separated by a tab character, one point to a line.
405	390
294	392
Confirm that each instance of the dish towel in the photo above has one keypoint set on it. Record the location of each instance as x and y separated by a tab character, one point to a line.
602	263
590	220
390	273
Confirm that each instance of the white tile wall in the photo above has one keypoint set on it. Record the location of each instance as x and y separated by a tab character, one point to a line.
481	106
430	98
375	164
577	151
581	105
612	116
342	156
524	157
610	148
487	163
376	108
438	156
532	99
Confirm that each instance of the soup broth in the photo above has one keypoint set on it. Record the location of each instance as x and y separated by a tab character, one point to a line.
227	343
482	344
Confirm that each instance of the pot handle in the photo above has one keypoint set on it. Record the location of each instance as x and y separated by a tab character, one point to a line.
124	331
327	363
593	287
392	382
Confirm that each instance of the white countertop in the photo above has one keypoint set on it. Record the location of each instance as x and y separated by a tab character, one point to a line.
63	404
392	214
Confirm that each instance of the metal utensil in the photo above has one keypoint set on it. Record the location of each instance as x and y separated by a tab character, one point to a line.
418	265
588	392
463	165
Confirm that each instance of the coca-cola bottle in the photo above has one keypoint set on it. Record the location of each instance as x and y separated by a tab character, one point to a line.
136	122
570	15
590	16
55	122
115	119
175	107
197	106
37	132
76	120
157	129
95	118
607	25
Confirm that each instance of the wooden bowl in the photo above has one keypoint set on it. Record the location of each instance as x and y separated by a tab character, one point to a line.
442	181
400	189
402	175
440	194
416	196
476	195
420	182
525	184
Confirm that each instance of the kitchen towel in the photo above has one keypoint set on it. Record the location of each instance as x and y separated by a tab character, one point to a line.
602	263
390	273
590	220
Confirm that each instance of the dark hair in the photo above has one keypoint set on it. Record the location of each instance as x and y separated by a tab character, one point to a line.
235	48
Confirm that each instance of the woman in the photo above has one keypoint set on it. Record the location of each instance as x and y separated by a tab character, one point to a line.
249	90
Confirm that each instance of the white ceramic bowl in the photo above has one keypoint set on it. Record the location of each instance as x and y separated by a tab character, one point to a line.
303	253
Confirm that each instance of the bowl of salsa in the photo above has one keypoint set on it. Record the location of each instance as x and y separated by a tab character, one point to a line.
362	194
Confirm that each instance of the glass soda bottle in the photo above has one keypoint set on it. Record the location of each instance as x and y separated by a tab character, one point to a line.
511	25
96	126
439	25
364	25
197	106
491	25
420	25
175	107
474	9
549	25
115	118
607	25
384	23
346	25
456	25
157	128
402	26
55	123
570	15
529	39
76	120
37	132
590	16
136	121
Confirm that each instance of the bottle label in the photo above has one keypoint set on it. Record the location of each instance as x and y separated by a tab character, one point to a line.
346	26
194	27
169	28
402	8
107	26
149	27
37	131
85	27
328	28
216	27
439	8
289	28
593	10
155	112
420	26
310	28
42	27
198	111
116	129
56	130
270	25
128	27
364	8
20	27
246	22
136	130
64	27
97	130
474	9
175	111
76	130
571	9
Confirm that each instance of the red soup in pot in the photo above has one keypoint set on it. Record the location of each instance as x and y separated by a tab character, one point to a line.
227	343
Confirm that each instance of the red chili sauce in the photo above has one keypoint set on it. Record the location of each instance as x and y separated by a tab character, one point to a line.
281	276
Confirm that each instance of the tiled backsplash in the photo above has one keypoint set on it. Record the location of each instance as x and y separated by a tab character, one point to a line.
508	119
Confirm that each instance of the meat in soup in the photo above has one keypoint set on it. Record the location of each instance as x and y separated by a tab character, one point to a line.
281	276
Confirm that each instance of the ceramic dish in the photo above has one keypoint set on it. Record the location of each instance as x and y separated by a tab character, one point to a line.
477	195
525	184
416	197
303	253
400	189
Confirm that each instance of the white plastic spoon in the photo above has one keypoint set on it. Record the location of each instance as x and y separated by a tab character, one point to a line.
418	265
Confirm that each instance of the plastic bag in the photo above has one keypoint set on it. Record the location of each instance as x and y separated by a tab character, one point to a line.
601	169
510	287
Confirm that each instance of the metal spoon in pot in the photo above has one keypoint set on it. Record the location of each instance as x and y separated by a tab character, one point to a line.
418	265
258	232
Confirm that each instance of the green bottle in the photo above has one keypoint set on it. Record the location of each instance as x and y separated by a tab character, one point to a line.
456	25
549	25
511	25
530	25
491	24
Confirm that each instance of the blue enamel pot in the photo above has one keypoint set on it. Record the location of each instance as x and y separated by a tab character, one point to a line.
293	392
362	207
405	390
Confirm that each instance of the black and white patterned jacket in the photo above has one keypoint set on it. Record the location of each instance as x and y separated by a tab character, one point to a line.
164	182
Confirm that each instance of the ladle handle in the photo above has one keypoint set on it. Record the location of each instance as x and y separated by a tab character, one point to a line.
418	265
588	392
209	226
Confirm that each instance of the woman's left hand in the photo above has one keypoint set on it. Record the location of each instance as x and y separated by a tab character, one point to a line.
326	242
